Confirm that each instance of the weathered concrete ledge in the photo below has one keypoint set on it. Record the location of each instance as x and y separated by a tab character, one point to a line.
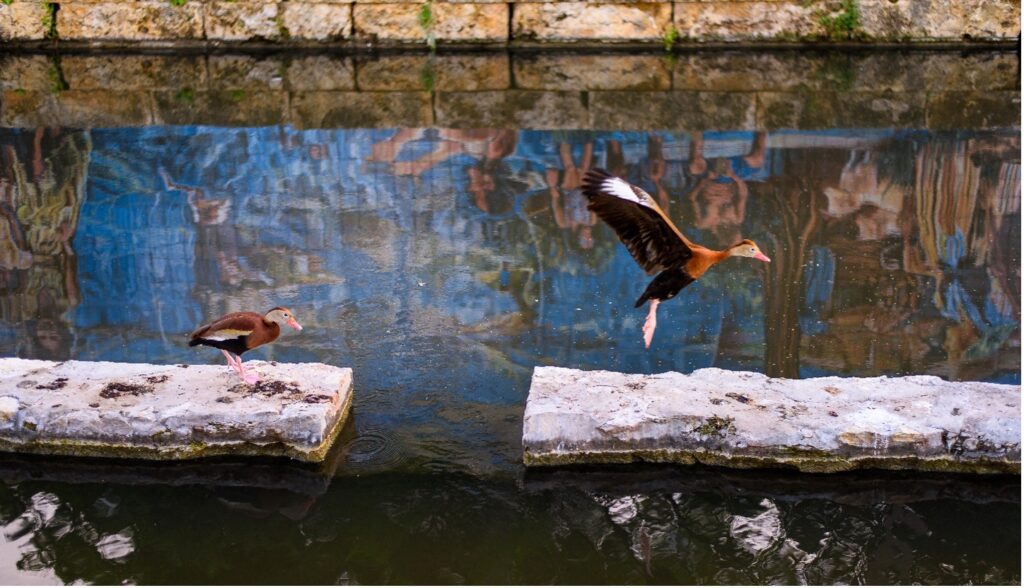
149	411
748	420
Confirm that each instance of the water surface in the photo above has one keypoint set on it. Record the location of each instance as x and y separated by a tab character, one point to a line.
443	265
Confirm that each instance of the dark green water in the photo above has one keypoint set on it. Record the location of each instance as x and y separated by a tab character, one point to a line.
442	265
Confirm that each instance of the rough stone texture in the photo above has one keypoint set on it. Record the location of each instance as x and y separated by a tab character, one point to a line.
829	110
158	22
236	108
940	19
25	72
242	21
511	109
317	22
672	110
592	72
145	20
132	72
76	108
747	420
976	110
170	412
456	72
246	72
361	109
23	21
451	22
576	21
743	21
706	90
321	72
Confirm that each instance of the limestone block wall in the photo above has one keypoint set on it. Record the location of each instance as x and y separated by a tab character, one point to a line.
497	22
712	89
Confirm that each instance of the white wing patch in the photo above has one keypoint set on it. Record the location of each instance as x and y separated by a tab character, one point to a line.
621	189
226	335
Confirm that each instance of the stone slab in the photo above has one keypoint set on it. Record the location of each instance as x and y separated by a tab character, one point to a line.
243	21
450	72
146	20
357	110
82	109
682	111
146	411
748	420
582	21
901	20
233	108
449	22
603	71
511	109
23	21
316	22
747	21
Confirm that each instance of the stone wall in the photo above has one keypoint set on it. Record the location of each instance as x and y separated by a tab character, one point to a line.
693	90
494	22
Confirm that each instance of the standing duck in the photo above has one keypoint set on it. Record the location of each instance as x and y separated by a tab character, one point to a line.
239	332
653	241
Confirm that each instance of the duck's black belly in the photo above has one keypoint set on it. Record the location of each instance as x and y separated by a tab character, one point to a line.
666	285
238	345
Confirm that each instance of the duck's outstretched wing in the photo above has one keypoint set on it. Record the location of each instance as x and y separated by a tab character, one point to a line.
653	241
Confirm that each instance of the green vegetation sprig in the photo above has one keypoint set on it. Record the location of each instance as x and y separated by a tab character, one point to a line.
844	24
426	20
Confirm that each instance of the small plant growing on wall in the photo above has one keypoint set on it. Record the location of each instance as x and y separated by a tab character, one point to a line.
178	2
844	24
426	20
670	38
50	19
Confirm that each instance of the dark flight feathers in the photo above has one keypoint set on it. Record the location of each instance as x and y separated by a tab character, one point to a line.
644	232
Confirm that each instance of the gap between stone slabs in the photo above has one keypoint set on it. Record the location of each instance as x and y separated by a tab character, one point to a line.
748	420
145	411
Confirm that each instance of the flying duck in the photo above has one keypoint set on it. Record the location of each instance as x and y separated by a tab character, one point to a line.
654	241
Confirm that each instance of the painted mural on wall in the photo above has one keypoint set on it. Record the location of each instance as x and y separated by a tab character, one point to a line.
894	251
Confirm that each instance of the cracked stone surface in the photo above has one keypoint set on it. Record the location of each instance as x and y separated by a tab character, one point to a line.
748	420
171	411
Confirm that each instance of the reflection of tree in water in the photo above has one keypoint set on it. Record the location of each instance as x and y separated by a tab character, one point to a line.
790	206
42	187
77	539
686	527
904	223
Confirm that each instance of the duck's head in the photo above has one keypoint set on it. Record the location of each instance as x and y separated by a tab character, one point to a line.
282	316
747	248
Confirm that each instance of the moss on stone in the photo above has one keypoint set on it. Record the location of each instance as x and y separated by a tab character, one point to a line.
194	449
797	458
716	426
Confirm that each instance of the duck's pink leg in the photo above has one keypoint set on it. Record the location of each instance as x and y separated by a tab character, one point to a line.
651	323
231	362
249	377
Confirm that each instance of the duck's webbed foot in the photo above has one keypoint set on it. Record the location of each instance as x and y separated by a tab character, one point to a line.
231	362
247	376
651	323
